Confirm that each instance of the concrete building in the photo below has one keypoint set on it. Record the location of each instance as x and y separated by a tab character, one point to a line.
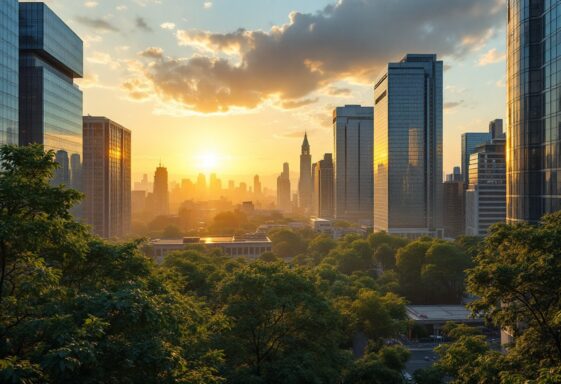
161	192
323	179
408	148
257	186
456	175
534	111
283	190
251	246
486	194
305	185
353	134
107	177
9	72
470	141
50	104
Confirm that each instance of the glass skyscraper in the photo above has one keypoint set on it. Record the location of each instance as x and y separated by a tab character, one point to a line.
50	104
534	109
408	111
470	141
353	134
9	53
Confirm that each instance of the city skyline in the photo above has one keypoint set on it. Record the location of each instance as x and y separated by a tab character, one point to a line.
121	40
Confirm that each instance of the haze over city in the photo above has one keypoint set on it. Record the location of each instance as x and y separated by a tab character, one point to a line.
268	71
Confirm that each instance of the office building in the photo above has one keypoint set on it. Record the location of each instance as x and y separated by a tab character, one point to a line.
486	194
408	147
453	212
107	177
50	104
470	141
534	110
324	187
9	72
161	192
305	183
257	187
283	190
353	134
496	129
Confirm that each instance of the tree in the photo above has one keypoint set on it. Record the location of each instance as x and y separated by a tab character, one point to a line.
228	223
378	316
383	367
287	243
385	256
410	261
281	329
76	309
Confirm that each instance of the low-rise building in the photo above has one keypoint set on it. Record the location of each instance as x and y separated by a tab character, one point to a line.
251	245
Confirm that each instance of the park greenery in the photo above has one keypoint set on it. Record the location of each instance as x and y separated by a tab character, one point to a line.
78	309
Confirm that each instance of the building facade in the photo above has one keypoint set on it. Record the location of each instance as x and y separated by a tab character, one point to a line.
283	190
453	216
9	72
486	194
107	177
353	134
324	187
534	110
408	147
50	104
305	185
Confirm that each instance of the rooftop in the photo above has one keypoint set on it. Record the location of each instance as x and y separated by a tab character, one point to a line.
439	313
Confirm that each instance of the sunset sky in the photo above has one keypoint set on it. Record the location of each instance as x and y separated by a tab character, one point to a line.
231	85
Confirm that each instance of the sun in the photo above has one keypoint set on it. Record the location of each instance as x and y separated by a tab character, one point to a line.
208	161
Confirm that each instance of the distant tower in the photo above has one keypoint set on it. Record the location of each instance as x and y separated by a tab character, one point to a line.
161	193
257	188
283	190
324	187
305	184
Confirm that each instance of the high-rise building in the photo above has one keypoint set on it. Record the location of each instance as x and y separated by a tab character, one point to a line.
534	112
283	190
107	177
456	175
9	72
408	147
470	141
161	191
50	104
453	208
257	187
486	194
353	133
201	185
305	183
324	187
496	129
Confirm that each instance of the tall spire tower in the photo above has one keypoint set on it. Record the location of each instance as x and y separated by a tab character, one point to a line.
305	184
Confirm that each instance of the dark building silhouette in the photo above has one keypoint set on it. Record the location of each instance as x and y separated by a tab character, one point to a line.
324	187
161	192
283	190
305	183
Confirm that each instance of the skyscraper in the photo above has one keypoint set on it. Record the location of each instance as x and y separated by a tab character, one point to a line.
50	104
353	133
470	141
453	208
534	113
305	182
408	147
9	72
486	194
283	190
324	187
107	177
496	129
257	187
161	191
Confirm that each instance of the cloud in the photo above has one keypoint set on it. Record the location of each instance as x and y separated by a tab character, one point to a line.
350	40
207	4
97	24
153	53
142	24
491	57
167	25
293	104
91	4
121	7
334	91
452	104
